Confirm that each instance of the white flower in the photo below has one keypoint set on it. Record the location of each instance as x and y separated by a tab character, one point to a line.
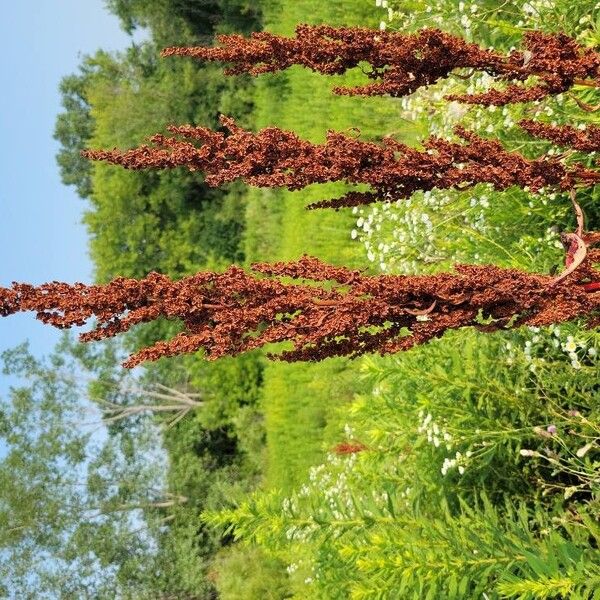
584	450
525	452
461	470
570	346
456	110
528	9
354	234
382	26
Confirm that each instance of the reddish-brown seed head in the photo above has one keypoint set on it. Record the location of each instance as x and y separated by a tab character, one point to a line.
403	62
352	314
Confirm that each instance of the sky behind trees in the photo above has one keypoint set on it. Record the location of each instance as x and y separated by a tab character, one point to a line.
41	235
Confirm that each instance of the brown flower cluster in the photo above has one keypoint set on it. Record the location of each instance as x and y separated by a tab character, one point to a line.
394	171
584	140
401	63
349	448
327	311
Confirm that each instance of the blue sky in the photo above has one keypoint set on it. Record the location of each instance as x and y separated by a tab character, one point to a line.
41	236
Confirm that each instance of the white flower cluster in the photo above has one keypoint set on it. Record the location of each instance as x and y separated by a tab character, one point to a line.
383	4
435	229
412	234
435	12
537	12
553	343
289	506
330	481
459	462
436	434
292	568
348	432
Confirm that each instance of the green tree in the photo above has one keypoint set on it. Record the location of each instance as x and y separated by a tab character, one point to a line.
151	221
186	20
72	130
80	507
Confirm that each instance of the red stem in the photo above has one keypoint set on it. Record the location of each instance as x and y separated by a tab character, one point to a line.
592	287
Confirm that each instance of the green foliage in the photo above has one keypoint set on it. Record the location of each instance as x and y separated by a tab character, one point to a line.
250	574
170	221
73	128
100	504
184	21
139	222
300	399
348	536
506	416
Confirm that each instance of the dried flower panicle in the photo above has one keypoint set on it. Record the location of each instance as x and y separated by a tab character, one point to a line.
349	315
344	448
584	140
394	171
403	62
